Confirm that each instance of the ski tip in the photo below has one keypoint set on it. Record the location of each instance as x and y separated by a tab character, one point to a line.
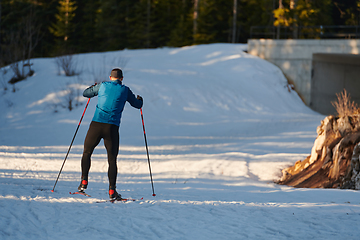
154	195
52	190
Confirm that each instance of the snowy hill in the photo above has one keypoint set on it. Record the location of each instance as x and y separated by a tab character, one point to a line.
220	123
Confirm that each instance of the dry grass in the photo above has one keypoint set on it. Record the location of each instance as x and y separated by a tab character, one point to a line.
344	106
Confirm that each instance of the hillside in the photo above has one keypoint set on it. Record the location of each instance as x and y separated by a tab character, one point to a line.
221	124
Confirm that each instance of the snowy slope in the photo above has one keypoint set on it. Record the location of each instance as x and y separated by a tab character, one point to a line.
220	123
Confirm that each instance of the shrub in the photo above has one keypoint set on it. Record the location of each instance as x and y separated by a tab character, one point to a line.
69	97
68	64
344	106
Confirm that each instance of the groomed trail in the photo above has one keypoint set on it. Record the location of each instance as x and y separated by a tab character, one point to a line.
220	125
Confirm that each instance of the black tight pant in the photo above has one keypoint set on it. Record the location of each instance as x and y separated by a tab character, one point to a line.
110	134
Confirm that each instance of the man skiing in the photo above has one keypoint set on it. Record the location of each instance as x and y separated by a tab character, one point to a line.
112	97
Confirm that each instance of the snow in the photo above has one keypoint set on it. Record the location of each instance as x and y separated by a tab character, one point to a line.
220	125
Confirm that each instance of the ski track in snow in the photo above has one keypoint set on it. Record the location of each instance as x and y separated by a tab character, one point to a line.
196	199
221	125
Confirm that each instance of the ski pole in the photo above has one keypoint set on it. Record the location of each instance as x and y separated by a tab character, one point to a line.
71	144
147	152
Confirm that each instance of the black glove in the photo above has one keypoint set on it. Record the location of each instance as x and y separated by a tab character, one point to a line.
139	97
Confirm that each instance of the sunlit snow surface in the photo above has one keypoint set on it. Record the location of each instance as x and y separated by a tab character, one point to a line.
220	125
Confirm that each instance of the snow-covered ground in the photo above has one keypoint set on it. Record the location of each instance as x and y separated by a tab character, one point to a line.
220	125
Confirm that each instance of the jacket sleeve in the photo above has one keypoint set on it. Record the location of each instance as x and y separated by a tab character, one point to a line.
136	103
92	91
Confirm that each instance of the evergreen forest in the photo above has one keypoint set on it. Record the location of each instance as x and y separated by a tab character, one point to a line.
42	28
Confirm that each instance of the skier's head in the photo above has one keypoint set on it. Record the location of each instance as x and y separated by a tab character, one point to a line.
116	74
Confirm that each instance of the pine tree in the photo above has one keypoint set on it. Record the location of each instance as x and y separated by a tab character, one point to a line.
140	25
84	36
64	27
254	13
182	32
112	24
19	36
164	19
214	21
302	13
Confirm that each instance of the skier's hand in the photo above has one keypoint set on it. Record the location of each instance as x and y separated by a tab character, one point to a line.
139	97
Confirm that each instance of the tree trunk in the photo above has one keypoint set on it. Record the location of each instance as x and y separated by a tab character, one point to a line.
234	22
278	27
196	7
148	14
334	160
293	4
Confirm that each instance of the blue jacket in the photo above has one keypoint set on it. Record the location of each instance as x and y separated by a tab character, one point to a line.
112	97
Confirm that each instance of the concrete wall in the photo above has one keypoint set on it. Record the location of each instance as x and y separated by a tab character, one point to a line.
331	74
294	57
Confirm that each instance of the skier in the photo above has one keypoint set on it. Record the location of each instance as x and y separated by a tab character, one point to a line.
112	96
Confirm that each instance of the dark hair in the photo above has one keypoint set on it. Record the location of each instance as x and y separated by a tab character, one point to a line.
116	73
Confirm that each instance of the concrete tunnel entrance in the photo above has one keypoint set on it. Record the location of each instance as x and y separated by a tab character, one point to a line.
331	74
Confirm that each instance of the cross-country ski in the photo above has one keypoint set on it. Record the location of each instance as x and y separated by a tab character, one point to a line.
120	200
80	193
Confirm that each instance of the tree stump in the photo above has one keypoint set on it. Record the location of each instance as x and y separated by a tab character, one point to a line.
334	161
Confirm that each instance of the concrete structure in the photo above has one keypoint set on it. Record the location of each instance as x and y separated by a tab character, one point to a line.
331	74
294	57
